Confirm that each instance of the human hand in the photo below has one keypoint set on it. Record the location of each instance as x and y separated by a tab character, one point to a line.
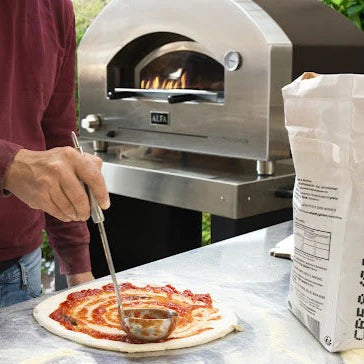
78	278
51	181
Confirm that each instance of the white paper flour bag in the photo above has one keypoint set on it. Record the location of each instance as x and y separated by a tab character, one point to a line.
325	121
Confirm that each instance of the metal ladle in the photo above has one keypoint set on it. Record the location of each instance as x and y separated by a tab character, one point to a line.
140	324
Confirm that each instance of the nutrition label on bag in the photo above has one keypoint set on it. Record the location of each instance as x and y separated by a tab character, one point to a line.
312	241
316	199
311	259
309	271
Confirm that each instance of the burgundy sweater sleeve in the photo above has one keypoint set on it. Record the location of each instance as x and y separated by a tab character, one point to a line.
7	154
70	240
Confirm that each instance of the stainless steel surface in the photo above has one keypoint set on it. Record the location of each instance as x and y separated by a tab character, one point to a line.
248	124
265	168
238	272
222	186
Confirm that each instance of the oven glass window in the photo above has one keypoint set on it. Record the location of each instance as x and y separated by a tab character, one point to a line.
182	70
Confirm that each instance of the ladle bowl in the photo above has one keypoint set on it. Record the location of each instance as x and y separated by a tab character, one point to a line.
149	324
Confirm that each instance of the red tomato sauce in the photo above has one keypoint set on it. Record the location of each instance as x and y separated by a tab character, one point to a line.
102	310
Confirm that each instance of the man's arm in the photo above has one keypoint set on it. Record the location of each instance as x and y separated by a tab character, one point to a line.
8	151
50	180
70	240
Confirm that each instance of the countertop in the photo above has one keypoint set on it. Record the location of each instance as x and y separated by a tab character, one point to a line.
238	271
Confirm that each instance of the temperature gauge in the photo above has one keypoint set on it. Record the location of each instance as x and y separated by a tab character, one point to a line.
232	60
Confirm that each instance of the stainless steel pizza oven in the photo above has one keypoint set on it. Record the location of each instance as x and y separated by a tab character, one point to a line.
205	76
198	76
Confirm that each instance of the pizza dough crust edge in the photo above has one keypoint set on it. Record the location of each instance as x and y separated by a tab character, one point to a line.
42	311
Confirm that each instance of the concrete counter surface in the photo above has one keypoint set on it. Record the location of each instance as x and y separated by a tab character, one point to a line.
238	272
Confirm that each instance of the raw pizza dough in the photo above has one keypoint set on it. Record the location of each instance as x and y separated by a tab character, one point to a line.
219	328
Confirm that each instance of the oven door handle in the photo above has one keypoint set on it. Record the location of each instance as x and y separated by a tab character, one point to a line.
176	99
122	95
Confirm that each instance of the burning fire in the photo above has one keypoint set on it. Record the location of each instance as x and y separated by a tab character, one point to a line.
172	82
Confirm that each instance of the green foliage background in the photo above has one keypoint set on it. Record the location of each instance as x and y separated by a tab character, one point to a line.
353	9
86	11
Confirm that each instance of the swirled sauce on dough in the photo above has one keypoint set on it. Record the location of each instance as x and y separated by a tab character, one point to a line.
94	311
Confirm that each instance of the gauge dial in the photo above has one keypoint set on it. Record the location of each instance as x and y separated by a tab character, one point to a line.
232	60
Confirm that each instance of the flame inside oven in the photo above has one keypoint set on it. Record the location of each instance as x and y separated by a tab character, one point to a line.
175	80
181	70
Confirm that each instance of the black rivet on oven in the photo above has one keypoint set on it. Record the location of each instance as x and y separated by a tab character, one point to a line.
111	134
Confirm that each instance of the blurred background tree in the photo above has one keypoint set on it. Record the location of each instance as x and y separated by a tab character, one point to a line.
353	9
86	11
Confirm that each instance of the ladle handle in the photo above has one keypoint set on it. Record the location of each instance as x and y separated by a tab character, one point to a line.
98	218
110	264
